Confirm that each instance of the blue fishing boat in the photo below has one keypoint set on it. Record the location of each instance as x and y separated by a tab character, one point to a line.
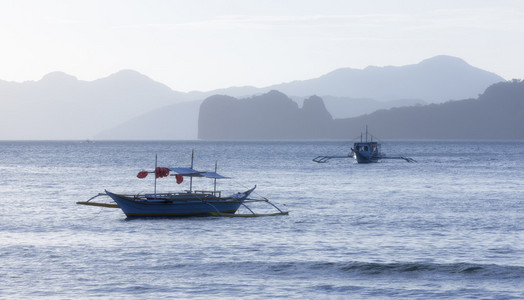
364	151
199	203
185	203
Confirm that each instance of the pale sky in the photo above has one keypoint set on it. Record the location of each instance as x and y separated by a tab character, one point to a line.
210	44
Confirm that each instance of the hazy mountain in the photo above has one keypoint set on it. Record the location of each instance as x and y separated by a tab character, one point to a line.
59	106
437	79
497	114
174	122
353	107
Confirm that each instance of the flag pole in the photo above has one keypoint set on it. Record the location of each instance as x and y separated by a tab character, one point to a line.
215	185
156	158
191	177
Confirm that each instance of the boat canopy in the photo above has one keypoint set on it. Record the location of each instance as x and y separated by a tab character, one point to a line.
214	175
195	173
186	171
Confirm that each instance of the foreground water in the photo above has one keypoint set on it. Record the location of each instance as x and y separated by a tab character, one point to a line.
449	226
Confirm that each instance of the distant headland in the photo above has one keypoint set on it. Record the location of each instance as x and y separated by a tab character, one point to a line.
498	113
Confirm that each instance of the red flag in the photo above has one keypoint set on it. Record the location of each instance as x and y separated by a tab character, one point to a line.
161	172
142	174
179	178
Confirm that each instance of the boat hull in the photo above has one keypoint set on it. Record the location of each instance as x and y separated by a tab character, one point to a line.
180	207
366	152
364	159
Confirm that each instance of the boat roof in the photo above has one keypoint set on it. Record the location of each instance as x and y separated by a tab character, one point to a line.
195	173
185	171
214	175
366	143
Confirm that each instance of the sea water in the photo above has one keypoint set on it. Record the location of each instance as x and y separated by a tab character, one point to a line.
450	225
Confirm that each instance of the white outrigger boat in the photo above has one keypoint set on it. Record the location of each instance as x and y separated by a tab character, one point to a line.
367	151
186	203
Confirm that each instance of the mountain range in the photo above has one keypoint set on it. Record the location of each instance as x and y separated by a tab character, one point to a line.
130	105
498	113
60	106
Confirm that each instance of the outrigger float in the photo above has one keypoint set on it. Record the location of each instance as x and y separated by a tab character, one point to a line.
363	152
183	204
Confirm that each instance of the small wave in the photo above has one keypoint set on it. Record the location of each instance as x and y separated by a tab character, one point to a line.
480	271
466	269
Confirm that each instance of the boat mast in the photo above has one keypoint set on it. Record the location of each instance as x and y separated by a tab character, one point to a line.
215	183
156	159
191	177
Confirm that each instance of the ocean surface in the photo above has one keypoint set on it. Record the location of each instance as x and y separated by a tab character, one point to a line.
450	226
